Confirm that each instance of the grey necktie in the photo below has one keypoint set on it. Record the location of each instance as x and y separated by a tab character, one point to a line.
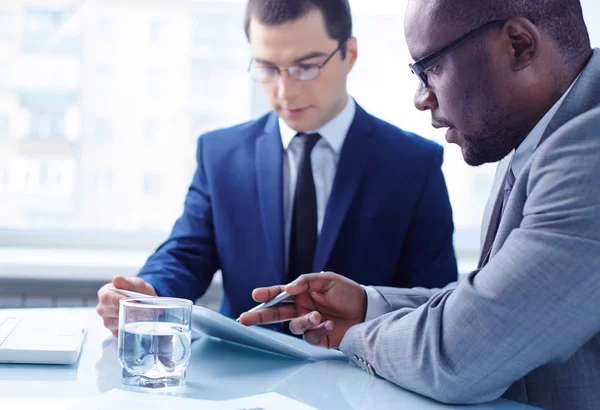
509	182
508	186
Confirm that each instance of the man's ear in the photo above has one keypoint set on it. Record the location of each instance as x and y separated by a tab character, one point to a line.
351	52
524	39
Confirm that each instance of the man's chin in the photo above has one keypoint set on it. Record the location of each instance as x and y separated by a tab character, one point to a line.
471	155
298	126
473	162
475	158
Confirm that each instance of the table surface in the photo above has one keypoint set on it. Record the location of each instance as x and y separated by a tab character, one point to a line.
217	371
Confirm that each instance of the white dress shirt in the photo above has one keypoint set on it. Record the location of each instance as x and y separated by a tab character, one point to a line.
324	159
376	304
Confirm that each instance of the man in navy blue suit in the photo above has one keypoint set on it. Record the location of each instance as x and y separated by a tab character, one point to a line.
316	184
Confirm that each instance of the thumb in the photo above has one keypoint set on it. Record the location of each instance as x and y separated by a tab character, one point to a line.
134	284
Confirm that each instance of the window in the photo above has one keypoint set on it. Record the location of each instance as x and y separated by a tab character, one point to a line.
135	74
103	82
204	123
3	179
3	127
157	81
50	30
50	178
152	184
48	114
102	182
157	32
154	131
47	125
7	25
104	131
107	29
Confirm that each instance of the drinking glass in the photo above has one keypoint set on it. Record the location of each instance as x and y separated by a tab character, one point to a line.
154	341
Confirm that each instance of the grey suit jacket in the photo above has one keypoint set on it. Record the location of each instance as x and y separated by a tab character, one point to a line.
527	325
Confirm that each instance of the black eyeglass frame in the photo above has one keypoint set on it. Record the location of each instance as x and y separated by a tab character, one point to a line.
419	67
319	66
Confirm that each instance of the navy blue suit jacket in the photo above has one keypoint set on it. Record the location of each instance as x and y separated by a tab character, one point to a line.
388	220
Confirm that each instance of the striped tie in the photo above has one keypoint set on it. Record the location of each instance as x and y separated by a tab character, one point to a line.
509	182
508	186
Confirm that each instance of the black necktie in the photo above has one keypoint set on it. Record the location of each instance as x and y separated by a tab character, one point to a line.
303	236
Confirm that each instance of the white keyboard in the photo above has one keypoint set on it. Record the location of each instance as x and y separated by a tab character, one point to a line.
7	325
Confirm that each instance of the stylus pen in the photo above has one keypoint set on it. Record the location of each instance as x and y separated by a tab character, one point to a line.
129	293
276	300
133	294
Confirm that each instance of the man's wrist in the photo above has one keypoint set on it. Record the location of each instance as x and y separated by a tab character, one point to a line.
376	304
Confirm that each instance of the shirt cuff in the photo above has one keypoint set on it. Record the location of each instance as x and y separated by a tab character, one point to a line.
376	304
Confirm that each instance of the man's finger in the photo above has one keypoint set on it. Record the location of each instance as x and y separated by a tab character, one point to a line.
318	335
312	282
264	294
300	325
107	300
134	284
269	315
112	324
108	310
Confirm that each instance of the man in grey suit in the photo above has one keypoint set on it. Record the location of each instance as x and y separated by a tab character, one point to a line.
520	84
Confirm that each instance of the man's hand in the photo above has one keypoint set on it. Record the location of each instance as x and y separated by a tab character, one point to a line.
108	301
325	306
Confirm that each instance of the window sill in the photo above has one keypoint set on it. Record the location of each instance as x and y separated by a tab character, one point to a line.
68	264
53	277
97	265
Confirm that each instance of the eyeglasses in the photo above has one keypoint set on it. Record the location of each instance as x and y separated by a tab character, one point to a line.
298	72
418	68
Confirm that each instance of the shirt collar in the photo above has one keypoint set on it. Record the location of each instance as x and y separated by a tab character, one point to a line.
334	132
530	143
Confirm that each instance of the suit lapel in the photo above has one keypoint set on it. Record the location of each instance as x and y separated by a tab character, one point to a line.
269	157
582	97
353	161
495	212
488	213
493	206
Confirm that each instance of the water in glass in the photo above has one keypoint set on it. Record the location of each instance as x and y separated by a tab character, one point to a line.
154	354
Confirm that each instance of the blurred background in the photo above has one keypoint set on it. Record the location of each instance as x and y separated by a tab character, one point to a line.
101	103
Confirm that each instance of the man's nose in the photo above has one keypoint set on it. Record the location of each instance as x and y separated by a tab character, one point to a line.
286	87
425	99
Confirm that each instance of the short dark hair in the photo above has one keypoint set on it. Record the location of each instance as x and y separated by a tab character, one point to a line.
338	19
561	19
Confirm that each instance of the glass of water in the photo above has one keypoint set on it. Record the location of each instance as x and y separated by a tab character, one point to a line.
154	341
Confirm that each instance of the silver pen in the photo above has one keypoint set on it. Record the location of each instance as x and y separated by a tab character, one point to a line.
129	293
276	300
154	300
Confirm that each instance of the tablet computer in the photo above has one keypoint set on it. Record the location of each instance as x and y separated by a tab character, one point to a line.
210	323
214	324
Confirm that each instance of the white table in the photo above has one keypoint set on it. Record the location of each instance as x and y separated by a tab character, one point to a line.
217	371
